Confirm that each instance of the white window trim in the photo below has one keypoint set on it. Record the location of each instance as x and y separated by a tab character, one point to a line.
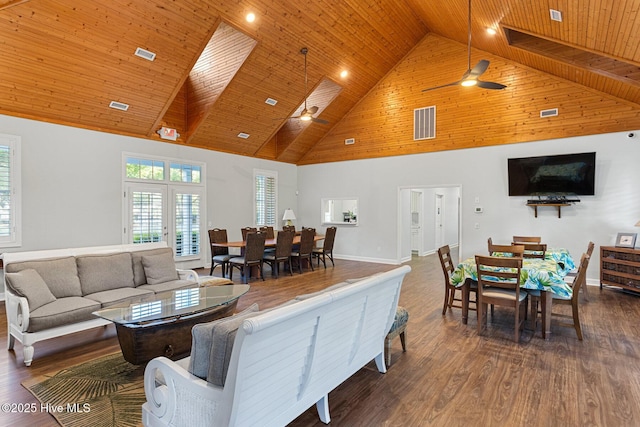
14	143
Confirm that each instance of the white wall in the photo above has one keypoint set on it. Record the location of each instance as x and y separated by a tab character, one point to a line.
72	191
72	184
482	174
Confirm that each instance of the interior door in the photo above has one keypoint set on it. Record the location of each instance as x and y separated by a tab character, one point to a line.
439	220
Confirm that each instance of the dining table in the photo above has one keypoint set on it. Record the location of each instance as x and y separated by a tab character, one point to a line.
545	275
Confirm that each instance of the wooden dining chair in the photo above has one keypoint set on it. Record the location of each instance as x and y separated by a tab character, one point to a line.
506	250
304	252
219	255
534	250
282	253
571	276
580	281
444	253
289	228
499	284
526	239
254	251
327	247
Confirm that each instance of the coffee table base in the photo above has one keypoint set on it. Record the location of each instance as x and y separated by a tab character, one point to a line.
170	338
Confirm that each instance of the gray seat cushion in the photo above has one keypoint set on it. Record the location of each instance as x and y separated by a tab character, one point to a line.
170	286
62	311
28	283
60	274
212	343
105	272
122	295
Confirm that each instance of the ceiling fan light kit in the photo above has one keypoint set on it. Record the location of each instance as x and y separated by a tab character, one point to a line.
470	77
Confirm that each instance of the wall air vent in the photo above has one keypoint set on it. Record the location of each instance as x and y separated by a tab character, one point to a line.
549	113
271	101
424	123
119	105
145	54
243	135
556	15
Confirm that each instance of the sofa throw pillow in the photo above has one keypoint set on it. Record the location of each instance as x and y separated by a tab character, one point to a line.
202	341
29	284
60	274
159	268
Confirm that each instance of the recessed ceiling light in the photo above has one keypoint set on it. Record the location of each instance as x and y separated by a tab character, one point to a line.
145	54
344	73
119	105
491	31
243	135
251	17
271	101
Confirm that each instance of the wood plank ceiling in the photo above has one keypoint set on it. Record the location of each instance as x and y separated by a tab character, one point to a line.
64	61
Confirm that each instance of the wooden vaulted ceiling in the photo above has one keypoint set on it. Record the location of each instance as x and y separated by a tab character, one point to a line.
64	61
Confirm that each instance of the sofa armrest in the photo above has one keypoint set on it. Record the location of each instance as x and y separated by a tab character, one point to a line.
17	308
200	403
187	275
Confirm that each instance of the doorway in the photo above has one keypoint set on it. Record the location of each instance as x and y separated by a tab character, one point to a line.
428	217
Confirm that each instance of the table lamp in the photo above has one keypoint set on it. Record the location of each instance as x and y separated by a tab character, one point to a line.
288	216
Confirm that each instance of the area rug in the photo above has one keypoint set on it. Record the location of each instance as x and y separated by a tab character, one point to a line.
107	391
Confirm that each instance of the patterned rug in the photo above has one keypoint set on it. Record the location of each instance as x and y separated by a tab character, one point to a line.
104	392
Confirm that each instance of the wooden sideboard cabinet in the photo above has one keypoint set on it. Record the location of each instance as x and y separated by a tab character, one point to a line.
620	267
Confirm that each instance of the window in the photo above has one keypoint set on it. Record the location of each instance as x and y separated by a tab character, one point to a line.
10	191
162	206
266	197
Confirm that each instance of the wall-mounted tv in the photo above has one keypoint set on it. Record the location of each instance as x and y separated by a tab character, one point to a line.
557	175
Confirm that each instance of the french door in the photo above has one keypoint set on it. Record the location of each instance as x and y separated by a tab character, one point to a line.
170	213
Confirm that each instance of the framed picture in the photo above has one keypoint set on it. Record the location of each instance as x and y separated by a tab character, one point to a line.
626	240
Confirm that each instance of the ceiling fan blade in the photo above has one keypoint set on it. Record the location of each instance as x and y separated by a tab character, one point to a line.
490	85
479	68
321	121
440	87
312	110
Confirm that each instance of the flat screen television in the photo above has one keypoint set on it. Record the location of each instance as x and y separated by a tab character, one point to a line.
557	175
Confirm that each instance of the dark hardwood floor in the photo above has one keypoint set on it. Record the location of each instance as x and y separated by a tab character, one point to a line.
449	375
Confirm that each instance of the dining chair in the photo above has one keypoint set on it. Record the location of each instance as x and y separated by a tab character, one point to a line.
499	284
538	307
327	247
219	255
444	253
580	281
254	251
526	239
289	227
268	230
247	230
304	252
534	250
571	276
506	250
282	253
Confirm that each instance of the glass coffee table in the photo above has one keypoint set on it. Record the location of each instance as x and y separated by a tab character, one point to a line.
160	325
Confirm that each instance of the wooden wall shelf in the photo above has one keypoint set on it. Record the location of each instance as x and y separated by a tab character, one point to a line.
557	205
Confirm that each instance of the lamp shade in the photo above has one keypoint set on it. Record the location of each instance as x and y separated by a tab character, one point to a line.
288	215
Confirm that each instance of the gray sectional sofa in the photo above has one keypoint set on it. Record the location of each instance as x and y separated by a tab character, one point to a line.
54	293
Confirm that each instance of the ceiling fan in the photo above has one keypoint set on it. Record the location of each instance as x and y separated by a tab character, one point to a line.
470	77
307	113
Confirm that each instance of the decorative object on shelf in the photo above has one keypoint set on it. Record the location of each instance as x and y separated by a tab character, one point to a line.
289	216
626	240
